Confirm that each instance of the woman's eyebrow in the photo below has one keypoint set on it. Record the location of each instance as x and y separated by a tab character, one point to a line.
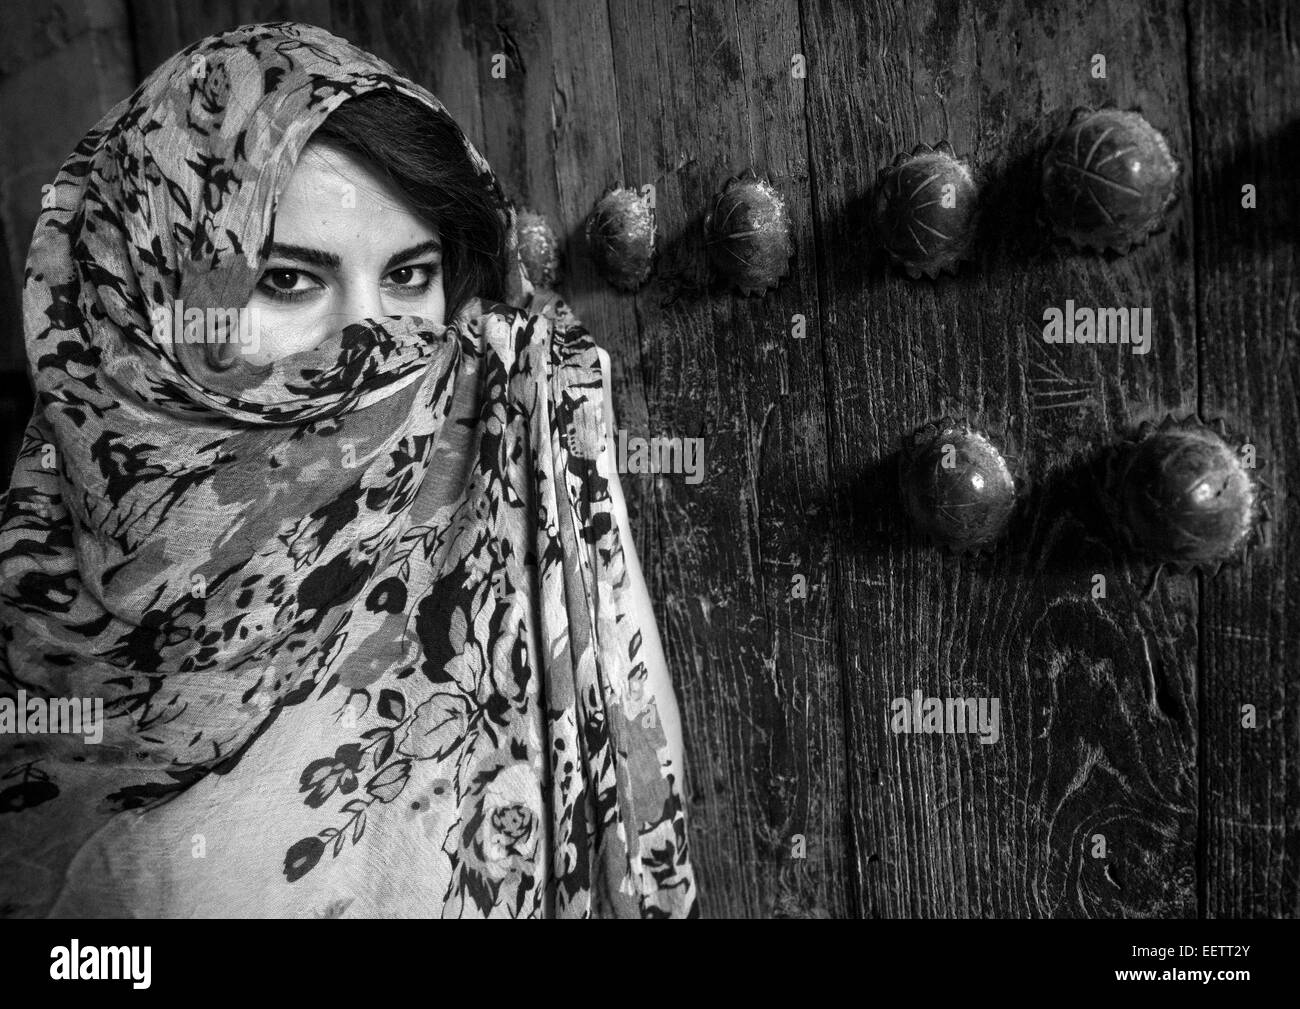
431	245
326	260
331	261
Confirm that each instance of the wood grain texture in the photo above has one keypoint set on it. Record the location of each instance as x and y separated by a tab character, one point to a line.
1245	65
705	90
61	67
430	44
1098	701
161	29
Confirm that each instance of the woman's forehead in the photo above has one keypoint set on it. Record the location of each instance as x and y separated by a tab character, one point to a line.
338	202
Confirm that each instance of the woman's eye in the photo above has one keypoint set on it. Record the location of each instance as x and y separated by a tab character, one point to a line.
413	278
287	284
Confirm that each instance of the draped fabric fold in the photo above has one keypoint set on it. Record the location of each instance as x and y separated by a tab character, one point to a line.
358	621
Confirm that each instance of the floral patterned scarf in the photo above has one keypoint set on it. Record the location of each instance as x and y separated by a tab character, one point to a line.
359	620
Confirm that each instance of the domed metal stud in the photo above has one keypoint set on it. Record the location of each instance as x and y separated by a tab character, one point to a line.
621	237
1181	494
925	210
539	250
748	234
1108	179
957	486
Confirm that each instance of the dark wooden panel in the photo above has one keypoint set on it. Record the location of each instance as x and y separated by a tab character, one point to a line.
1246	81
703	91
430	44
161	29
1098	702
16	403
61	67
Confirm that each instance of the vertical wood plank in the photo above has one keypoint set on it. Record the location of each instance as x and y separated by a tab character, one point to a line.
433	45
61	67
518	114
704	90
1245	67
161	28
1098	702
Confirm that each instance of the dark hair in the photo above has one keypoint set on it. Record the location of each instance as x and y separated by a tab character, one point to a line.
422	153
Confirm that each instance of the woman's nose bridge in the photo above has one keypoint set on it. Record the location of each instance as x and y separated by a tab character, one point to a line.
361	298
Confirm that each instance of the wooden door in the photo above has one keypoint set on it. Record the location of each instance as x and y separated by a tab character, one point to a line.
795	604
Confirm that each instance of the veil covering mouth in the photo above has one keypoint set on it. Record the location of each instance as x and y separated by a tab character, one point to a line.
358	621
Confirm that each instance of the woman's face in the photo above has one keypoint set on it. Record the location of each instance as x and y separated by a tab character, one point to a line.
347	246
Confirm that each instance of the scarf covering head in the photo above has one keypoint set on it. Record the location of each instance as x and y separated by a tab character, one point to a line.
358	620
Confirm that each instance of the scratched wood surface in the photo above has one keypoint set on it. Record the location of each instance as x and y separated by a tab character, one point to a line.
703	94
1112	722
1245	71
1097	696
61	67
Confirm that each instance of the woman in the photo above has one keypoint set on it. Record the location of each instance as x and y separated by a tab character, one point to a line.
355	588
